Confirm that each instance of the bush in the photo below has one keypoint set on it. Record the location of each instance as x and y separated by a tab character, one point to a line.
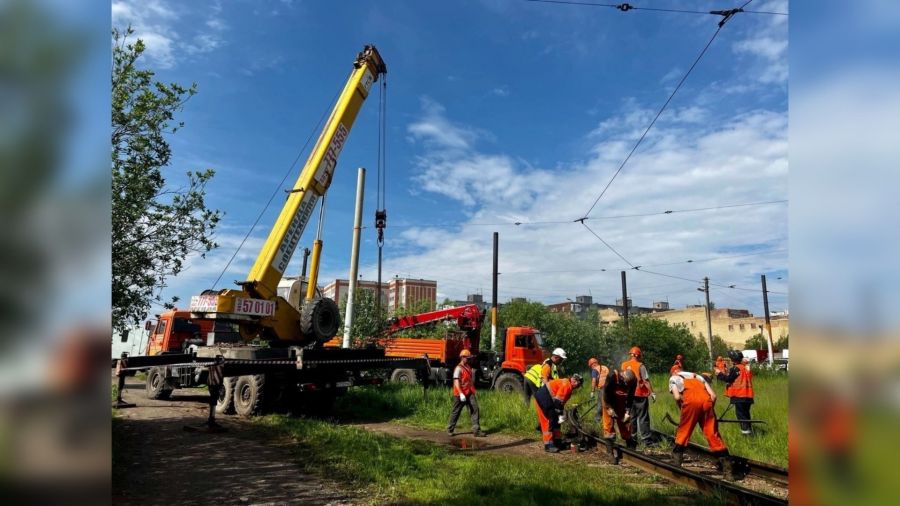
659	342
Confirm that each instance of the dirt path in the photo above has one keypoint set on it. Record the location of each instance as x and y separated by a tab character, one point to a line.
164	464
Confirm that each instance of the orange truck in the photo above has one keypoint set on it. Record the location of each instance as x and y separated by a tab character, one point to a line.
503	370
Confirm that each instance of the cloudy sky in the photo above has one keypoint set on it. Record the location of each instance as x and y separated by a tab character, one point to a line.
499	112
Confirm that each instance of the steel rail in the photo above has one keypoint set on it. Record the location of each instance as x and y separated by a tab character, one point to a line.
734	494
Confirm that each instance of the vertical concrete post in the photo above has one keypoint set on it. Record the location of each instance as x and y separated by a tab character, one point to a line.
354	255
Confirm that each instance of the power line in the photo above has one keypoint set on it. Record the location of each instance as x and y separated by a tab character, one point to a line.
624	7
607	245
658	114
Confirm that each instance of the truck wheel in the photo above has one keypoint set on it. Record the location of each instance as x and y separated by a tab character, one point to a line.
249	394
320	319
405	376
509	382
225	404
157	388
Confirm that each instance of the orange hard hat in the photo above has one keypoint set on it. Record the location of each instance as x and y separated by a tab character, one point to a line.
675	369
592	362
465	353
635	351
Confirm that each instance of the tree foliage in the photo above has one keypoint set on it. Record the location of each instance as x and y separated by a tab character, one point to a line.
757	342
367	319
660	342
155	226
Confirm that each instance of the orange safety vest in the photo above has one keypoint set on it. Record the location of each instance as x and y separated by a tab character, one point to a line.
742	385
641	390
466	385
560	389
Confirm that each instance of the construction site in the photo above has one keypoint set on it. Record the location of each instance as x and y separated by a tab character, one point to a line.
267	368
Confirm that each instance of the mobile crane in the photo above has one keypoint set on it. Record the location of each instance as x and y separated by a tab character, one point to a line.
294	328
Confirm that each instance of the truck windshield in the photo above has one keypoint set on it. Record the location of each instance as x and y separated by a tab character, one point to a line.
538	339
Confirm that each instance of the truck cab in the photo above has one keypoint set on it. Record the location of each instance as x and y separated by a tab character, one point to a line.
174	331
505	370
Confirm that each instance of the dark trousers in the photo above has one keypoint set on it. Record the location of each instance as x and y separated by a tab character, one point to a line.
472	403
640	418
742	411
530	390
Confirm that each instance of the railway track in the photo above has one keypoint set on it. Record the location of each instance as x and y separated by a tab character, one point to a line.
704	483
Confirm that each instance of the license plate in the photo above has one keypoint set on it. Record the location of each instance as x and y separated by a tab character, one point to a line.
343	384
254	307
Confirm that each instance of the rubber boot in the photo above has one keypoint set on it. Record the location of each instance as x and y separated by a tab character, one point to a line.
560	445
678	455
550	448
631	443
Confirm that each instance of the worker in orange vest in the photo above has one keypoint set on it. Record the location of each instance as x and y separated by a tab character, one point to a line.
464	395
617	397
696	399
739	388
679	360
599	372
549	402
720	366
643	391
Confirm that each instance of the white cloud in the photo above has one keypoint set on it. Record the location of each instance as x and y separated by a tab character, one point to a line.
767	45
500	91
686	164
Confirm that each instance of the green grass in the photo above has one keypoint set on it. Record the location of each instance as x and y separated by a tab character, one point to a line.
506	413
401	471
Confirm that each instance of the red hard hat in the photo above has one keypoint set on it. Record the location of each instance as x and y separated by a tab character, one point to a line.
465	353
592	362
635	351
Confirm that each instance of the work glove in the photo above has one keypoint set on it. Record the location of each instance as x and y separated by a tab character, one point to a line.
462	397
592	395
562	419
611	412
627	416
653	396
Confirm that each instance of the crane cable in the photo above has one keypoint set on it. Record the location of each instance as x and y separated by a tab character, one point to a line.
380	210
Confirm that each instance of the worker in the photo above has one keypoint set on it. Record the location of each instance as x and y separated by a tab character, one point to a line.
464	395
599	372
617	396
679	360
739	388
720	366
539	375
643	391
696	399
548	403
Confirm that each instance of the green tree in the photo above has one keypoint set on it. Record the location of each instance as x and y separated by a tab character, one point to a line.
367	322
580	338
155	225
757	342
782	343
659	342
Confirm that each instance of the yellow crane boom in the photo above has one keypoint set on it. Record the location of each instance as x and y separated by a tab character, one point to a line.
257	306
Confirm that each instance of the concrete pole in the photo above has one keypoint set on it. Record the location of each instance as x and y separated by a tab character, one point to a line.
354	255
494	294
768	323
708	320
624	301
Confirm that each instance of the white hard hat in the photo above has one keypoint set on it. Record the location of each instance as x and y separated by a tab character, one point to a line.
561	353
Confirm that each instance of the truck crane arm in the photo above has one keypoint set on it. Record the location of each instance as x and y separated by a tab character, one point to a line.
468	318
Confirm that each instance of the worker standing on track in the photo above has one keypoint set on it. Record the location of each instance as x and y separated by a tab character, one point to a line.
599	373
696	399
617	398
539	375
464	395
643	391
739	388
549	402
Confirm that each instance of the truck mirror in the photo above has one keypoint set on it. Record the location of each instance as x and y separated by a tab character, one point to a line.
148	325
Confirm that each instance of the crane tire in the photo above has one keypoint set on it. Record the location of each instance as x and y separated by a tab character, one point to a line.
249	394
509	382
320	319
225	404
157	388
404	376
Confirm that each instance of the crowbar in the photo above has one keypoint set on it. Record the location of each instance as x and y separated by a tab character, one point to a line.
671	420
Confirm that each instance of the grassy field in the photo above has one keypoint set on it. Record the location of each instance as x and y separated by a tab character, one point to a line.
400	471
508	414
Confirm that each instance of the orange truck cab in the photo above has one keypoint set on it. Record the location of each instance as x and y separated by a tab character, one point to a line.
174	331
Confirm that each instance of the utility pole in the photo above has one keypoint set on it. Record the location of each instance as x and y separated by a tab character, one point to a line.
705	289
768	322
354	255
494	293
624	301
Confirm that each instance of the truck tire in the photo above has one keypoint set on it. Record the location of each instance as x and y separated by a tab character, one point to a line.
320	319
404	376
509	382
157	388
225	404
249	394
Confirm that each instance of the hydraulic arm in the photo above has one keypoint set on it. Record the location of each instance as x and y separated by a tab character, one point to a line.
256	305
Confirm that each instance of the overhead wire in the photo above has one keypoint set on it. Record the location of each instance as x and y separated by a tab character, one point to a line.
624	7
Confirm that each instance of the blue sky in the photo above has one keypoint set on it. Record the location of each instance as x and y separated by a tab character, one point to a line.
498	111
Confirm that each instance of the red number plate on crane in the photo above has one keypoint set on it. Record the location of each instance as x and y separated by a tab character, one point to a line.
254	307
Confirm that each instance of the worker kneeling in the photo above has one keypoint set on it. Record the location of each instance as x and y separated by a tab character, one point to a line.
549	401
697	400
618	395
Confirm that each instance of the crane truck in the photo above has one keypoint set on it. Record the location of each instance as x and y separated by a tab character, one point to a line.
504	370
275	351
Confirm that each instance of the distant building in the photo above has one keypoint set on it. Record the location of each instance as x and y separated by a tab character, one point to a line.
396	292
583	305
734	326
472	298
